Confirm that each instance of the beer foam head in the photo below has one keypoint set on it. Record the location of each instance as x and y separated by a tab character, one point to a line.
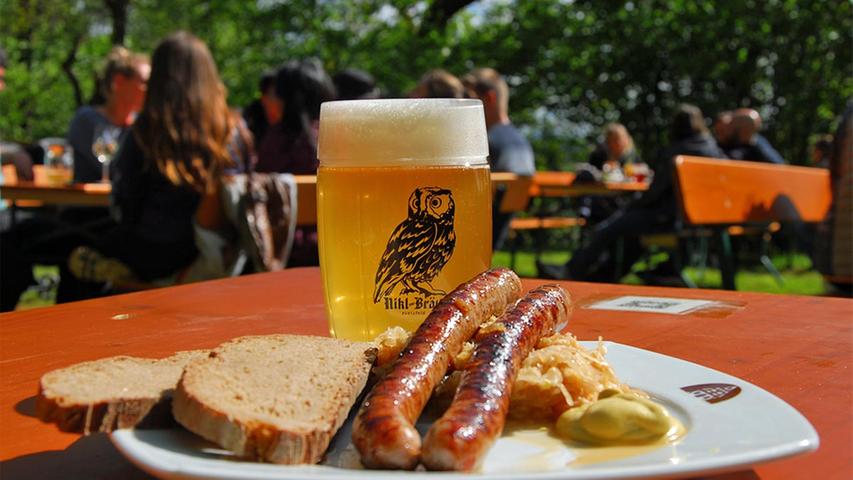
423	131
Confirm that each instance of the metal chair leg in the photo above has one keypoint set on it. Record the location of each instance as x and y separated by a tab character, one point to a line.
768	264
727	261
765	259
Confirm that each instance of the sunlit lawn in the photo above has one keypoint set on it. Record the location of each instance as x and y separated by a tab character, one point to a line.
797	275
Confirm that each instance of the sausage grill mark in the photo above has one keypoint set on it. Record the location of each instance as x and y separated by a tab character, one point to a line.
384	431
462	436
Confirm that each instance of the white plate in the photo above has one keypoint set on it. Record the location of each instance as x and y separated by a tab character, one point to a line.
750	427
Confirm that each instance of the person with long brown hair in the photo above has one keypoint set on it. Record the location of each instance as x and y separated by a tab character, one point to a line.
170	162
176	153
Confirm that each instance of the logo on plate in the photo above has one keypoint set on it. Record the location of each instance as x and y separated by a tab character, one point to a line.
713	392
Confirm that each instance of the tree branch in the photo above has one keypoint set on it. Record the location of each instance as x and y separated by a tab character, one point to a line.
68	68
440	12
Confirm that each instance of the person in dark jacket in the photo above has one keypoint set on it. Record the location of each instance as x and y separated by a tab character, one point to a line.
654	211
290	146
746	143
265	110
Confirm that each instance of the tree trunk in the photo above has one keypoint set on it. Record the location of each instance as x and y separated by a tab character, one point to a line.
118	13
67	67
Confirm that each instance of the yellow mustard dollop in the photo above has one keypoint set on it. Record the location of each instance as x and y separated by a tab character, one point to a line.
616	419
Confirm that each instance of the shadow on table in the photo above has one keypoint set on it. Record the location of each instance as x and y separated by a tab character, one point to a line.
89	457
742	475
27	407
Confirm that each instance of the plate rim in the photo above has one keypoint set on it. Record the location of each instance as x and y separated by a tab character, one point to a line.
127	443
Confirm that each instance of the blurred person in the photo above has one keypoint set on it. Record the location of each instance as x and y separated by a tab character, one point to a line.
722	128
171	160
291	145
654	211
613	159
509	151
617	150
265	110
13	153
118	98
438	83
355	84
822	151
746	143
834	255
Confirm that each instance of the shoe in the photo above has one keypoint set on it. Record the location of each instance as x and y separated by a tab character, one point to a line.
551	272
89	265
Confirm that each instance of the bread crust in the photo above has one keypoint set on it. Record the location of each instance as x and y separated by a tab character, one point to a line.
263	441
112	411
105	416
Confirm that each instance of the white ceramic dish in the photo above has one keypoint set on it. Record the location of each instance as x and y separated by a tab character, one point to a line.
731	424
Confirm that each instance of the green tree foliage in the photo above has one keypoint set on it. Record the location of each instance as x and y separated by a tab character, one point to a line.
572	65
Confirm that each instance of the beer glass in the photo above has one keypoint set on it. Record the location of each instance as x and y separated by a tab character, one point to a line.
403	206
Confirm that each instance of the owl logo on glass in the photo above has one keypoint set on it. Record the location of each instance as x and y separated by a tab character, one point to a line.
713	392
417	251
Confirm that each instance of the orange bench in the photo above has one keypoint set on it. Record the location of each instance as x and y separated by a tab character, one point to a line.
717	195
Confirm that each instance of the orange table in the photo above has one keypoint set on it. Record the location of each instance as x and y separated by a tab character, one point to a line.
39	192
560	184
799	348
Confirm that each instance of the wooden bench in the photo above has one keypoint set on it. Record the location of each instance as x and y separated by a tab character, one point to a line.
543	185
727	196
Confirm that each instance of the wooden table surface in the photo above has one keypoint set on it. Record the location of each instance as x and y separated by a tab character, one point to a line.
798	348
561	184
40	192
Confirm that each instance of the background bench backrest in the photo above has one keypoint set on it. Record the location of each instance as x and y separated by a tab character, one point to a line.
715	191
514	191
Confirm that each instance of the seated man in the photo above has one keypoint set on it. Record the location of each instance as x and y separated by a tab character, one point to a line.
745	143
509	151
654	211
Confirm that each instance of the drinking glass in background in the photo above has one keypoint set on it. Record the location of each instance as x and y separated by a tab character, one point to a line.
404	208
104	147
58	161
642	172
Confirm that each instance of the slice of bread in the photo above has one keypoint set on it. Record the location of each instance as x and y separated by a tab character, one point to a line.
275	398
116	392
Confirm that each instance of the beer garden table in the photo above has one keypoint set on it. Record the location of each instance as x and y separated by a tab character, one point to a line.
798	348
39	192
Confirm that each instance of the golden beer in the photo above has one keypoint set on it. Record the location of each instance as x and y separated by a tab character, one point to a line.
404	209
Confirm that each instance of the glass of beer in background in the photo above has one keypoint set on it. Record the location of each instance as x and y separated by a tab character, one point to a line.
403	207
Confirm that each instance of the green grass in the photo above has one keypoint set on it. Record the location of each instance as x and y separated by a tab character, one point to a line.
798	277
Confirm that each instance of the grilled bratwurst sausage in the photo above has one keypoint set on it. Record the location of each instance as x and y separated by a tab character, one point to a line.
475	419
383	431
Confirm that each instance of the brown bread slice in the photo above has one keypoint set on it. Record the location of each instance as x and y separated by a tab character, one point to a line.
111	393
276	398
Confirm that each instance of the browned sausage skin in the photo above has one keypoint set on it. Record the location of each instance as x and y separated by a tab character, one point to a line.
461	437
383	431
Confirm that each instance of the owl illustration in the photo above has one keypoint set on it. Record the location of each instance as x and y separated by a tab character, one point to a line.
420	246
